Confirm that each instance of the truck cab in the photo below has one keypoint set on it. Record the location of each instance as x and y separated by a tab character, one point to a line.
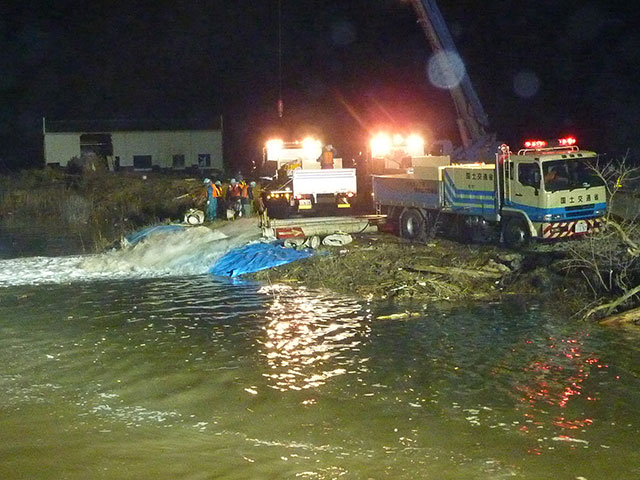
551	192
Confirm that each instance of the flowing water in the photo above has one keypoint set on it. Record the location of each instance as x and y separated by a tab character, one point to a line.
141	365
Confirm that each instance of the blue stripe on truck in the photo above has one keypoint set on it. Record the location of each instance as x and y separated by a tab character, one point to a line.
470	201
537	214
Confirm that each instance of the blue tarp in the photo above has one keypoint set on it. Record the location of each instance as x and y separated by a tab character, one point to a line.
135	237
254	257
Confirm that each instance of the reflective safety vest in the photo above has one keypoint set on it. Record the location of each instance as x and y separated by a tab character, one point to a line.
326	159
244	190
217	191
234	190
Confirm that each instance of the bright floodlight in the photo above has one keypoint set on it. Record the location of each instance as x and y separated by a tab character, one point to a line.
415	145
312	148
274	145
397	139
274	148
381	145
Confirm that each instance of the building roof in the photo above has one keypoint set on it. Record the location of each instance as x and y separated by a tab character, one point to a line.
130	125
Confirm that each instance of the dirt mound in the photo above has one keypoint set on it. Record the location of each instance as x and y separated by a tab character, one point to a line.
382	266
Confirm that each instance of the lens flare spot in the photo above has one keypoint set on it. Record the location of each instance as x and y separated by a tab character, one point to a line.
445	69
526	84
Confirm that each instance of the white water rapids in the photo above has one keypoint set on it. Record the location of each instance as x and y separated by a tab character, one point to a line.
191	251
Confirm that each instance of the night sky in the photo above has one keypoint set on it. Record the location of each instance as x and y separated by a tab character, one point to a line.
542	68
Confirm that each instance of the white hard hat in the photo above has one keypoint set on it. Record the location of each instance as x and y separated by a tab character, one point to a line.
218	182
253	184
206	180
233	180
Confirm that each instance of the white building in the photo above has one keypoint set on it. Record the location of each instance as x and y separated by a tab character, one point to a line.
135	144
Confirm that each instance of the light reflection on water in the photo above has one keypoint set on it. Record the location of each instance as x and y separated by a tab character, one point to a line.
305	334
557	378
195	378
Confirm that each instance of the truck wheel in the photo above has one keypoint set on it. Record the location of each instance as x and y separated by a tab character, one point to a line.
412	225
515	233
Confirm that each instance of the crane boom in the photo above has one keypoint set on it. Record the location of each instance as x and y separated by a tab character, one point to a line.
471	119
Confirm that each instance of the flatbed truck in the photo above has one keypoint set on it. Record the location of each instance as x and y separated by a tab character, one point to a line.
300	185
539	192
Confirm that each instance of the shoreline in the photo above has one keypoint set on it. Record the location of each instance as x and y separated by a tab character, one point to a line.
91	212
381	266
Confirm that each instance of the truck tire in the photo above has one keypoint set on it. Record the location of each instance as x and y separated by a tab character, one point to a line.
412	225
516	233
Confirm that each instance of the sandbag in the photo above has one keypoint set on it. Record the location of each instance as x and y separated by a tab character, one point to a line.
312	242
194	217
337	239
295	242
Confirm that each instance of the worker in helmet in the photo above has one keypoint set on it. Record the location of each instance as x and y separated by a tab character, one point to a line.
244	197
218	193
326	157
234	200
230	187
247	198
221	189
212	194
262	208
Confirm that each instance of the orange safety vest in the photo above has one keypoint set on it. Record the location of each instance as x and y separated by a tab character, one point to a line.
235	190
326	160
244	190
217	191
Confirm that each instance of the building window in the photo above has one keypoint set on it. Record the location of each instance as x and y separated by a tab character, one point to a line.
98	143
142	162
178	161
204	160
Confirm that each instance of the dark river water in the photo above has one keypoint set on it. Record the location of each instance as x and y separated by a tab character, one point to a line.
123	373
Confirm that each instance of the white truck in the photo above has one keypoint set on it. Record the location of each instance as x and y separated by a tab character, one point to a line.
545	192
299	183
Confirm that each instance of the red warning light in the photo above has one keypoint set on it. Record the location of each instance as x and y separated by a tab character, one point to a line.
567	141
535	144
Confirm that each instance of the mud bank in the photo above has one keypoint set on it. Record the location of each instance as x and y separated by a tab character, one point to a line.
382	266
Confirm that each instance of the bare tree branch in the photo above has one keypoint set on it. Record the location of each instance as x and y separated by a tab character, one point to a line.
634	249
610	260
611	306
